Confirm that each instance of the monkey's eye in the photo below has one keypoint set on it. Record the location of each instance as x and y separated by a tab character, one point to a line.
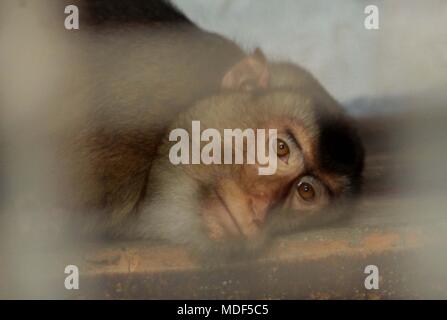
282	149
306	191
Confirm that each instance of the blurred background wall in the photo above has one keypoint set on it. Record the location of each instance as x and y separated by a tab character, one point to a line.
406	56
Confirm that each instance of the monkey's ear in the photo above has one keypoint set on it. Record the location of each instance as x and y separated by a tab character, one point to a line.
249	74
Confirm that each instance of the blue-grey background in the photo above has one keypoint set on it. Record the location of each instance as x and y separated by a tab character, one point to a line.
407	56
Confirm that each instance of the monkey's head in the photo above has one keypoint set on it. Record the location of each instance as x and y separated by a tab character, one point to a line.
318	154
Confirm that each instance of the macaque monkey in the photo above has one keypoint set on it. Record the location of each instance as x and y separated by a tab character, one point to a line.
140	79
319	167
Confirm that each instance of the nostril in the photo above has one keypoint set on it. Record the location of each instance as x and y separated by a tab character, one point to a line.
257	222
259	211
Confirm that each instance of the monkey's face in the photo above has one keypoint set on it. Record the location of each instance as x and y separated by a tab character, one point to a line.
318	161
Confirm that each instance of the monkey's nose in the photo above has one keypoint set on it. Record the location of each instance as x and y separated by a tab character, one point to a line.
260	208
258	222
